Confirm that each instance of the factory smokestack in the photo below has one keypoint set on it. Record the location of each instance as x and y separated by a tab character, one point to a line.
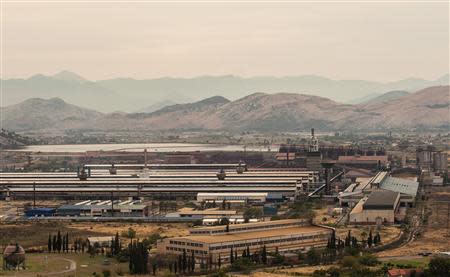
312	132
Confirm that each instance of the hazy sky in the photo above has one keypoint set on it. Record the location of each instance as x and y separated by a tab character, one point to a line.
373	41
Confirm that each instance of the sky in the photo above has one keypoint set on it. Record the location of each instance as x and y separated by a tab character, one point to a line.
340	40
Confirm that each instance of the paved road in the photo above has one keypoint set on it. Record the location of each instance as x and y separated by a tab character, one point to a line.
72	267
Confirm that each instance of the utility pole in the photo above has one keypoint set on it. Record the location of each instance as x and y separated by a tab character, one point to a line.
112	203
34	194
448	219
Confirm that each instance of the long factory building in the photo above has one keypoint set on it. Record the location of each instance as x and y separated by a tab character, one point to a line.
158	182
210	243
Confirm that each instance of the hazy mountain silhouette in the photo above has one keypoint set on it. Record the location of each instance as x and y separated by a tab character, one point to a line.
130	95
259	111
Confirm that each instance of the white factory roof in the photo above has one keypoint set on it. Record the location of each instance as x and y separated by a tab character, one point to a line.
404	186
212	194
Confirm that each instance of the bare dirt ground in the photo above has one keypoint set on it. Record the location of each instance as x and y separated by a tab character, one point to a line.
387	233
35	234
273	272
434	237
143	230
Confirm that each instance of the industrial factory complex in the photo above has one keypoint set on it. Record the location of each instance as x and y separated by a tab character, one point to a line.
363	186
219	241
235	210
156	183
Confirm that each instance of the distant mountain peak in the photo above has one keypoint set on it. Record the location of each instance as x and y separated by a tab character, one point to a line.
214	100
69	76
388	96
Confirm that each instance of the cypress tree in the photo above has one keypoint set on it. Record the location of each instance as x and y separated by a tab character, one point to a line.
180	263
192	262
369	239
67	242
59	242
219	260
154	268
210	261
63	244
111	247
54	244
231	255
184	261
49	243
117	244
264	255
348	239
130	263
248	252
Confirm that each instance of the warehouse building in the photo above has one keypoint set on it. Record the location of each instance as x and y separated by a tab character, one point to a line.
290	235
200	214
381	181
367	162
98	208
234	198
380	207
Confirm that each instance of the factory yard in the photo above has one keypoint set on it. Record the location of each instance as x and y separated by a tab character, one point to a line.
435	236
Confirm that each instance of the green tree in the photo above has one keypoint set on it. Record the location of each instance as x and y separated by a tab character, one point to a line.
231	256
192	265
312	257
264	255
370	239
252	212
59	242
368	259
439	266
49	243
184	261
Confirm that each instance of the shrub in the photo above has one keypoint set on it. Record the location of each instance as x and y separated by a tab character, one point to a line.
368	259
106	273
439	266
349	261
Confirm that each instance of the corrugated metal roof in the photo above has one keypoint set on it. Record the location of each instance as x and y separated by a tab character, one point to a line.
400	185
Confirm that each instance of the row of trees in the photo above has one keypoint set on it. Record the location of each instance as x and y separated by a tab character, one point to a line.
138	258
58	243
182	264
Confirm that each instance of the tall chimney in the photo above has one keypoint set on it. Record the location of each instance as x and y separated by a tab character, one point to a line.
312	132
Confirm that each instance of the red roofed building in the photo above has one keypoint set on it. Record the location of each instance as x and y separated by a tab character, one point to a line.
368	162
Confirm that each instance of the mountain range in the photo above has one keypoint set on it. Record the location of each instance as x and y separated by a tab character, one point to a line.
131	95
259	111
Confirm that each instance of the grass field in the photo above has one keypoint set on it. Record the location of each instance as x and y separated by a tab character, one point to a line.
412	263
43	264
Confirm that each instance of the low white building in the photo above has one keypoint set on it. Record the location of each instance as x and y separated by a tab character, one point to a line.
241	197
